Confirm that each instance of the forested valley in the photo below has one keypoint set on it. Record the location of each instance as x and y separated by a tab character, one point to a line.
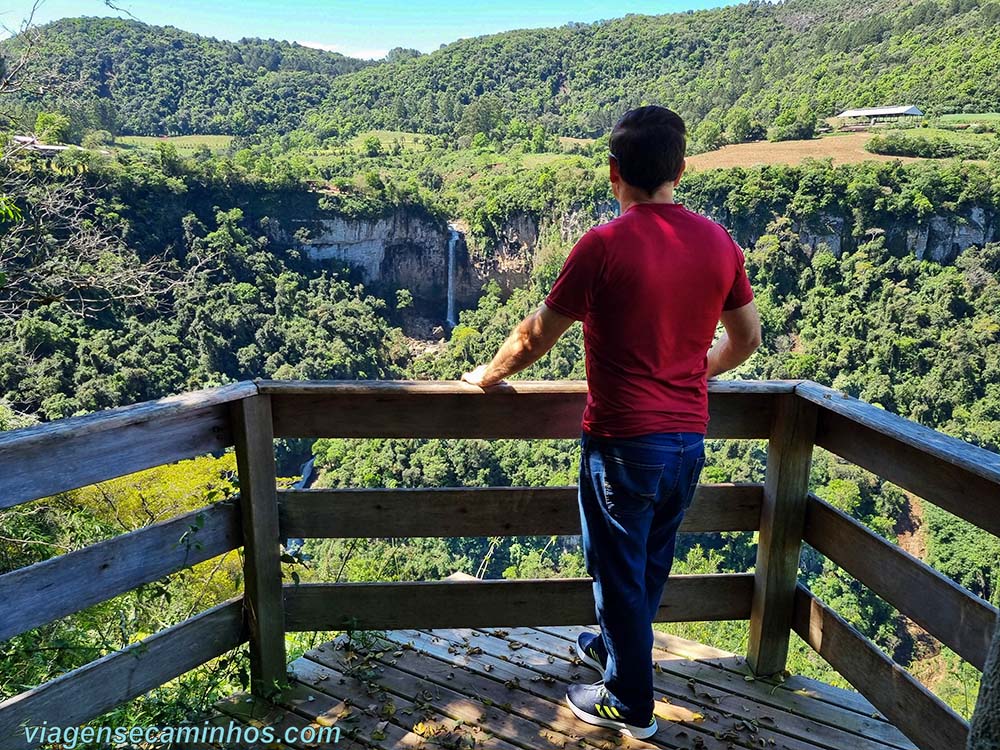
134	270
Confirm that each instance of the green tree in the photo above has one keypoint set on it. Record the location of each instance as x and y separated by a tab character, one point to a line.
52	127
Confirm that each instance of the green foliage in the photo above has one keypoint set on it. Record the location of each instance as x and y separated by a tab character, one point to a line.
52	127
856	310
9	212
244	309
51	526
964	552
778	66
98	139
903	144
150	80
784	64
371	146
793	124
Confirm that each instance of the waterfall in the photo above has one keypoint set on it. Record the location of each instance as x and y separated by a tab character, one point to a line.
453	235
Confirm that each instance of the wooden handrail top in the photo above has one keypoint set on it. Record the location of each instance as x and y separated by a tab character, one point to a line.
971	458
438	387
123	416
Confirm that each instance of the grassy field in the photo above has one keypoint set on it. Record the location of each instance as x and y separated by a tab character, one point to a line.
183	143
842	149
980	117
567	143
958	136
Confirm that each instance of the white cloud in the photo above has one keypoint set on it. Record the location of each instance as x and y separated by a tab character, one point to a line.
365	54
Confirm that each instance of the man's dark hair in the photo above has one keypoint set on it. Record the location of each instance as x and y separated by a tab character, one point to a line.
648	143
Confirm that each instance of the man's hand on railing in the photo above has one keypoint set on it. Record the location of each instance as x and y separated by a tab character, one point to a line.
532	337
481	377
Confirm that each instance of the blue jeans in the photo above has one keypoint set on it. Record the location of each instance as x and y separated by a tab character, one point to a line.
633	494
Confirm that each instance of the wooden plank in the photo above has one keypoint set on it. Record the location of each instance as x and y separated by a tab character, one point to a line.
949	472
261	563
521	409
782	518
364	387
557	601
953	615
346	705
717	673
449	718
46	459
822	691
40	593
80	695
252	711
705	696
689	718
918	713
484	511
487	691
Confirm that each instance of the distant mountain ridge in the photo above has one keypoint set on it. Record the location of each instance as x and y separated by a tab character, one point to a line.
134	78
736	69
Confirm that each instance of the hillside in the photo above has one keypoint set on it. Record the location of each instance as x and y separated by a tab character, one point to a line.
132	78
732	72
740	68
313	215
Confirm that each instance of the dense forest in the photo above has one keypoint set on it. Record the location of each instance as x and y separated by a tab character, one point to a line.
736	73
736	70
917	337
129	78
168	278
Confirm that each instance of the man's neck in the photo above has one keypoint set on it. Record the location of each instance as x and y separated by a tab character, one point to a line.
630	197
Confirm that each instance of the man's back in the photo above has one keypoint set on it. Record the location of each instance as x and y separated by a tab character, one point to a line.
650	287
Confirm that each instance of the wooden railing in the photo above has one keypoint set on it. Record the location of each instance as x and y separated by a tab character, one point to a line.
793	416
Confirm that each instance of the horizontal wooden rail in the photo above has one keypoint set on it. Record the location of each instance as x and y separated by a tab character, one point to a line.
485	511
54	588
522	409
949	472
69	453
80	695
953	615
493	603
923	717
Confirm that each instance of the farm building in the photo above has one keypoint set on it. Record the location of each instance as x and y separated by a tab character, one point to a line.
871	115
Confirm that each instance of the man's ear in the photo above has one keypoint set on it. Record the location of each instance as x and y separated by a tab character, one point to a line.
613	173
681	173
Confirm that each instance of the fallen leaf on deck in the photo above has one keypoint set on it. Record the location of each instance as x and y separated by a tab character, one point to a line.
671	712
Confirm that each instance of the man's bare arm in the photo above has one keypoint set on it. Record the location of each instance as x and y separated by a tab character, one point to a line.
532	337
741	339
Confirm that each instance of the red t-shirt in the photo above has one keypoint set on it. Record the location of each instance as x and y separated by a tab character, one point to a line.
649	287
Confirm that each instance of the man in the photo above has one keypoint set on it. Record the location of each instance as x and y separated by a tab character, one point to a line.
650	288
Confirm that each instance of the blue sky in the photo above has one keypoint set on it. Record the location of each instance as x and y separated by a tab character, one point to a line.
364	28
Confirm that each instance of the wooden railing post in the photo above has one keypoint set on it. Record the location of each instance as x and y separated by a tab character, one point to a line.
253	432
782	521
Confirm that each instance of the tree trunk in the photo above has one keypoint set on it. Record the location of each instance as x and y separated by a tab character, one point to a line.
985	733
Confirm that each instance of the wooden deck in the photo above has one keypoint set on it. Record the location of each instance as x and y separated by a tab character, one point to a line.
459	689
504	688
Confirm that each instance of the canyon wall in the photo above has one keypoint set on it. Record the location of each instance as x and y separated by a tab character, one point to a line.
408	249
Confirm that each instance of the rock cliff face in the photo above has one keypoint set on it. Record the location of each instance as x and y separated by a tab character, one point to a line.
404	250
939	237
943	238
409	249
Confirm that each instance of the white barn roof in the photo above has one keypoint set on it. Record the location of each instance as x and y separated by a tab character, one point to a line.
881	112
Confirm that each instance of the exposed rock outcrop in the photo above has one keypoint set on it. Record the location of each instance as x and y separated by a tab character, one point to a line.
403	250
408	248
